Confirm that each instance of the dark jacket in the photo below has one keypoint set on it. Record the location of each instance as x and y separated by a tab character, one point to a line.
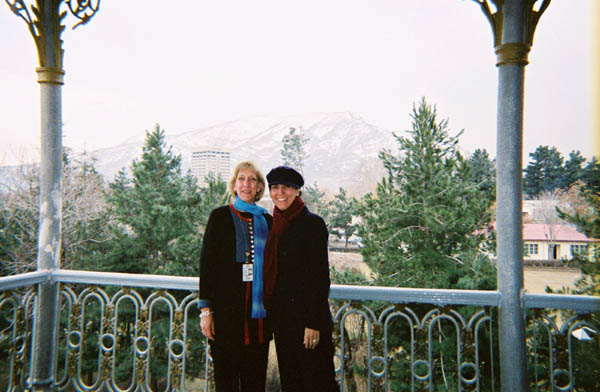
301	292
221	286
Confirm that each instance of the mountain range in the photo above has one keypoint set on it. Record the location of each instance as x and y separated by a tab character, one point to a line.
342	148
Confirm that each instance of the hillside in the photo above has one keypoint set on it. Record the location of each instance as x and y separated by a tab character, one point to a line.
342	147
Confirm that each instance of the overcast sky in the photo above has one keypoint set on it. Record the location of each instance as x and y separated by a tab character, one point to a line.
191	64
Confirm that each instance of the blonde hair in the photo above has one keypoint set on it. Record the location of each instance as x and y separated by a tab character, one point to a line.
261	179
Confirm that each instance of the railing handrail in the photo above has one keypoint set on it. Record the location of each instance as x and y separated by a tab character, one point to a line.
23	280
440	297
125	279
580	303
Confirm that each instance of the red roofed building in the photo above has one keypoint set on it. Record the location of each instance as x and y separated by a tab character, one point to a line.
554	242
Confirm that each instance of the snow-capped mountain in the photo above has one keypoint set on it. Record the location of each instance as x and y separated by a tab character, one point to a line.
342	148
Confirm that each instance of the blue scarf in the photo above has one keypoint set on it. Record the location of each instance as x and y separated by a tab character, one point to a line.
261	231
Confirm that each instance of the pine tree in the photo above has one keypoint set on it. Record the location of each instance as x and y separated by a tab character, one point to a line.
573	169
156	215
591	176
342	209
424	226
545	172
293	152
214	194
156	225
483	171
316	201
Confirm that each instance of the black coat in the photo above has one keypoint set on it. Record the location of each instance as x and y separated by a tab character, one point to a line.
301	300
221	276
301	294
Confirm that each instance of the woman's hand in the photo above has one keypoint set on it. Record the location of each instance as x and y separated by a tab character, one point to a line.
207	323
311	338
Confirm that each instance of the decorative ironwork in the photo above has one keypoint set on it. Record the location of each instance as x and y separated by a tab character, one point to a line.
44	21
15	334
123	338
405	340
84	10
512	52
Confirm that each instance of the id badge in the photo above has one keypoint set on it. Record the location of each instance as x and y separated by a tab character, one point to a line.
247	272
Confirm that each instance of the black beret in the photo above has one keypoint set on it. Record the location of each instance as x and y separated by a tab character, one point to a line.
285	175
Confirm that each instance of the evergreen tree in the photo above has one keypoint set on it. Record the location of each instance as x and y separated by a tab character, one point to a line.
214	194
591	176
424	226
316	201
573	169
544	172
155	229
342	209
156	215
483	171
293	152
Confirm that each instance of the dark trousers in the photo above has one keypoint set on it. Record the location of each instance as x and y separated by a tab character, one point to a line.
240	368
302	370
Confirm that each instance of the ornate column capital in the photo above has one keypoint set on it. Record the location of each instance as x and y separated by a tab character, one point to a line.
512	52
44	20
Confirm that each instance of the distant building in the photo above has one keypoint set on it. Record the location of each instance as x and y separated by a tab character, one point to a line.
211	161
555	242
546	244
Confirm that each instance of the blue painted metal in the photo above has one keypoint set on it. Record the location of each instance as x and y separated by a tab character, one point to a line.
368	356
509	168
23	280
438	297
50	221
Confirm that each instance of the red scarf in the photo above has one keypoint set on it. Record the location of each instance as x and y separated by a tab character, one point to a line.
281	221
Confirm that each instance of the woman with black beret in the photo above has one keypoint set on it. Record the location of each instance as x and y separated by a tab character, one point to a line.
297	288
233	316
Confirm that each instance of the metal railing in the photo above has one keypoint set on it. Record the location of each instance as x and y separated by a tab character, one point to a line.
121	332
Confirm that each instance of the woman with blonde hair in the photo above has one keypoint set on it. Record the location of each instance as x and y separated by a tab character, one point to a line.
233	316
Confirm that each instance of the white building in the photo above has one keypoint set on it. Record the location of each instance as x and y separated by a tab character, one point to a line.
211	161
555	242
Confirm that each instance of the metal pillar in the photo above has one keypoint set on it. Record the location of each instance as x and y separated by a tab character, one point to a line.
509	228
46	29
513	25
50	221
596	80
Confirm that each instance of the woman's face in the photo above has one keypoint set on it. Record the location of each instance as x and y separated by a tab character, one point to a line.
246	185
283	195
